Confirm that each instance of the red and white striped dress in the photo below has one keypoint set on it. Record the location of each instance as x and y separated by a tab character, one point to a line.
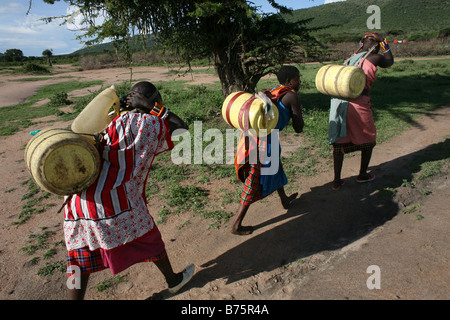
113	211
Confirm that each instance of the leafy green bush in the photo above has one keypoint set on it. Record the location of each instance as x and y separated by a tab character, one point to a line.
59	99
31	67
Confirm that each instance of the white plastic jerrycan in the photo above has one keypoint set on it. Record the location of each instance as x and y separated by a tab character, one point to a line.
94	117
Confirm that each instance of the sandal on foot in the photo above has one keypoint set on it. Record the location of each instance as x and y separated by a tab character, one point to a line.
366	178
243	231
188	272
337	184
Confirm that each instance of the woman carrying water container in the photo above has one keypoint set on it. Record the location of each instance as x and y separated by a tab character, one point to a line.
108	225
358	123
258	184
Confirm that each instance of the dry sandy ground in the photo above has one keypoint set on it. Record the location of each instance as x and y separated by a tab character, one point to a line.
320	248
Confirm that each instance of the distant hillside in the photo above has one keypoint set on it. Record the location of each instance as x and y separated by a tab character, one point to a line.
408	18
135	45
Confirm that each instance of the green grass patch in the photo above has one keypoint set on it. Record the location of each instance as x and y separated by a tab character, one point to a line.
110	283
38	242
33	202
218	216
51	267
183	198
431	162
412	208
431	168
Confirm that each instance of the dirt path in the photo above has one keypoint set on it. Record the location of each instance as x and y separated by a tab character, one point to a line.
318	249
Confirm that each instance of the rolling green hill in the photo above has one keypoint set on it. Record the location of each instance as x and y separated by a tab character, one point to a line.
412	19
405	19
135	45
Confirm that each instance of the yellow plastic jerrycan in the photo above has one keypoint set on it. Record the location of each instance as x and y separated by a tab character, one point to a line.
61	161
345	82
243	110
94	117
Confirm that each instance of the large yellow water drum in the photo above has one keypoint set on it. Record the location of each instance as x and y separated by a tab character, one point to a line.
345	82
61	161
243	110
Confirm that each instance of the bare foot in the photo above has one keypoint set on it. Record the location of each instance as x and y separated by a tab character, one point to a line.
287	202
242	231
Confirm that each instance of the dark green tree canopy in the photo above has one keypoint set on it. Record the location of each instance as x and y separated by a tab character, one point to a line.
13	55
242	43
48	54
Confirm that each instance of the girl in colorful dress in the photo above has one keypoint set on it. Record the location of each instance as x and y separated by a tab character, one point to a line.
258	185
108	225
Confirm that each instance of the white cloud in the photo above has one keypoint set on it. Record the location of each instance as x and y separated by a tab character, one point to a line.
11	7
32	35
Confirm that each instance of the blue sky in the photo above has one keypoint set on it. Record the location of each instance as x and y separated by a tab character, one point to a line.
32	36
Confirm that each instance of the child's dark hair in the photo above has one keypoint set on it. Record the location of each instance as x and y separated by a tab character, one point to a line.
147	89
287	72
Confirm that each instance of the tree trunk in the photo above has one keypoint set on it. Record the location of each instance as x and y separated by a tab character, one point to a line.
229	79
233	74
233	78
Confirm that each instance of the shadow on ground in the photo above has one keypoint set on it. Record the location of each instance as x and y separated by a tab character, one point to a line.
321	220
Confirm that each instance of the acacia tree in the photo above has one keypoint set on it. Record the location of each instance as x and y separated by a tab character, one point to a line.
13	55
243	44
48	54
